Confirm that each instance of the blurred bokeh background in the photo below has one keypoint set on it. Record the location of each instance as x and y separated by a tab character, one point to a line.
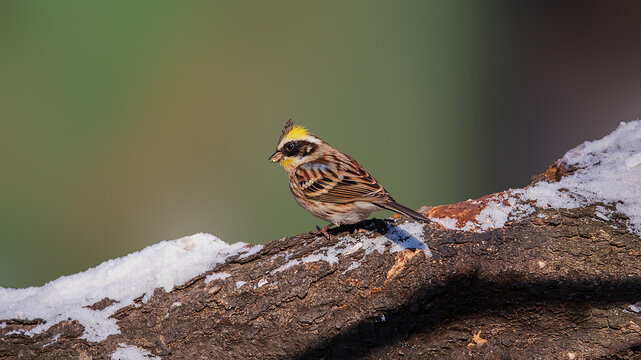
126	123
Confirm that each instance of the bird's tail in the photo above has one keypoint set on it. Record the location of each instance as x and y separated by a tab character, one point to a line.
398	208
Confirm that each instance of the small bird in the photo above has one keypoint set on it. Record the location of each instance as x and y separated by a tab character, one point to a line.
329	184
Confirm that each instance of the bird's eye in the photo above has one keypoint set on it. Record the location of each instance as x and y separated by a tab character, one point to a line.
289	146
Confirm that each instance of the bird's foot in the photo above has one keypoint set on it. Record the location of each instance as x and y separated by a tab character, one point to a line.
322	231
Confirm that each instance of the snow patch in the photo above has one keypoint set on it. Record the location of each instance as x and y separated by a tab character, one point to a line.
497	211
240	284
216	276
177	303
253	250
130	352
607	171
261	283
55	339
353	249
16	332
501	209
404	236
352	266
603	213
287	265
633	161
163	265
449	223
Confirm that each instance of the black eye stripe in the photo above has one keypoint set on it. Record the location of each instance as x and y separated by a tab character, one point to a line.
298	147
289	148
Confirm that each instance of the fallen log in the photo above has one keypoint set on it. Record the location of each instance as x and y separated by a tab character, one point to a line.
549	271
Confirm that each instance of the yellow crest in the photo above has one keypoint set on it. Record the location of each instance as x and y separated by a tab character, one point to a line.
297	132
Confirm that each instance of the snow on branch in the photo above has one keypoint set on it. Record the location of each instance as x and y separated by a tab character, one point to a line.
605	171
120	281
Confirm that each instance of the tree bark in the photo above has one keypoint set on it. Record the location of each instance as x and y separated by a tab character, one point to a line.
555	284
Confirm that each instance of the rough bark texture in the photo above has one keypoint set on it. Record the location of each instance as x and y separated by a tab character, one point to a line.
554	285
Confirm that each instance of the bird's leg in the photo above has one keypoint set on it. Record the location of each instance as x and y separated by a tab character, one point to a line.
322	231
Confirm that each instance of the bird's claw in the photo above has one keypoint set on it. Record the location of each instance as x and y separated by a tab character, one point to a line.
322	231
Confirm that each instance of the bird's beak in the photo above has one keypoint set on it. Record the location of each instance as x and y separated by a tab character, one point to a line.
275	157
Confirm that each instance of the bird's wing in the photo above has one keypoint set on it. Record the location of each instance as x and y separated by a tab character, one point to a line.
340	181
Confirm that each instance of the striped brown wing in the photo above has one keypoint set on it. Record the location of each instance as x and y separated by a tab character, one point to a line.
340	181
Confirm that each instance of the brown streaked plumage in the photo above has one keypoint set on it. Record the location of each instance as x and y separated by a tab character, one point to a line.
329	184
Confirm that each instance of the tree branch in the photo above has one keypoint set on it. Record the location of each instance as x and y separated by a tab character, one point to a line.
545	283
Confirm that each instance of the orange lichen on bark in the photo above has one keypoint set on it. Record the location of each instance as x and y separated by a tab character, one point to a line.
464	211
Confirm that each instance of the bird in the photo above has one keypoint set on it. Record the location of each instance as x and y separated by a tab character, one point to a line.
329	184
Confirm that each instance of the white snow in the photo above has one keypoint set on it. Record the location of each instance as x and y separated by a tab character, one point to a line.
451	223
400	237
608	172
603	213
240	284
216	276
352	266
55	338
404	236
287	265
177	303
130	352
16	332
253	250
633	161
353	249
262	282
497	211
163	265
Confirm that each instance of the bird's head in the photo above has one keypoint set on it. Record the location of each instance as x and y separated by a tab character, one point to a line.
295	146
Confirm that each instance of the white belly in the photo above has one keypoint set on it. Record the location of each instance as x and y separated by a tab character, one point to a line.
343	213
350	218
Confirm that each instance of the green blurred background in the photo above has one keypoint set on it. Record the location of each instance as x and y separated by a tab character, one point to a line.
126	123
